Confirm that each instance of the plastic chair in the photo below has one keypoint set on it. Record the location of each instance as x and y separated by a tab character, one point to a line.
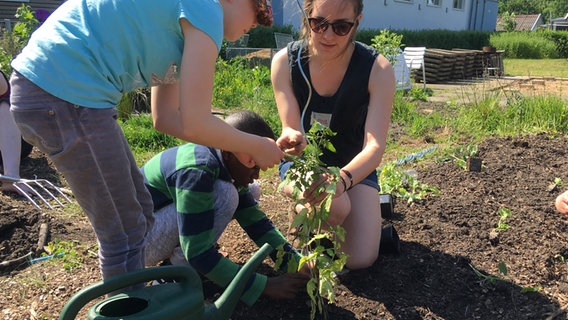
414	57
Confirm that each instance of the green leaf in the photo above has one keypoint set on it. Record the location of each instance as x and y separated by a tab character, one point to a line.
502	268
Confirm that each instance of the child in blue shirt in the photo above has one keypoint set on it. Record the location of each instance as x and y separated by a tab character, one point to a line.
75	69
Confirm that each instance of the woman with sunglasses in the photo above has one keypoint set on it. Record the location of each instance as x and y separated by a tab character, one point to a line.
75	69
348	86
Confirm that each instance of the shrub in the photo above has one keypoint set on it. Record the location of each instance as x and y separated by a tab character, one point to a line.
388	44
525	45
12	41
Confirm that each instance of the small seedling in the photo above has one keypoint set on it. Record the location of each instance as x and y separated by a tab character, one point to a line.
460	155
554	185
402	185
503	270
504	214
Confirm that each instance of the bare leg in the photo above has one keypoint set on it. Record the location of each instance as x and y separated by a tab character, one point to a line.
10	145
362	227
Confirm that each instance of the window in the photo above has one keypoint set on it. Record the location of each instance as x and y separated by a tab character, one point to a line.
434	3
458	4
408	1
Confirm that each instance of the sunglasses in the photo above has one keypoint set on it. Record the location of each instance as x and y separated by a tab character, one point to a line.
340	28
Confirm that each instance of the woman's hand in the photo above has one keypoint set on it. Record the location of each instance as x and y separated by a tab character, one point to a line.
314	197
291	141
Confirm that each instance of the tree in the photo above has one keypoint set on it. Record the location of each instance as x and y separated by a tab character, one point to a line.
508	21
549	9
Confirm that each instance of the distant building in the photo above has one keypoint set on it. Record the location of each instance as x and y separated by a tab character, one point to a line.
408	14
558	23
525	22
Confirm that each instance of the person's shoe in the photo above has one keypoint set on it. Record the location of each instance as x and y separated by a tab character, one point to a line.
390	242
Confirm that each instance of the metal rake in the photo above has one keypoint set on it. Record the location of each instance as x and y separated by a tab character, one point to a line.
41	190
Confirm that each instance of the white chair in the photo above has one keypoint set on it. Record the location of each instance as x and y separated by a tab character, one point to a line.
414	57
402	73
282	39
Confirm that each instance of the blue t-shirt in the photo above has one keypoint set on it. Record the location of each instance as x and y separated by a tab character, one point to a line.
90	52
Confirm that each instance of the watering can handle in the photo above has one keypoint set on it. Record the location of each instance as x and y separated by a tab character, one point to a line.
84	296
184	274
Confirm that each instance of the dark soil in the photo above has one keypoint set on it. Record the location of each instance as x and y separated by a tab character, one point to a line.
443	238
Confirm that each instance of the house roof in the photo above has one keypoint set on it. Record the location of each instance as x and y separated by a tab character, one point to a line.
524	22
561	19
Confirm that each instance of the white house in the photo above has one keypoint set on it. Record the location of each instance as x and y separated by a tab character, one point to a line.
408	14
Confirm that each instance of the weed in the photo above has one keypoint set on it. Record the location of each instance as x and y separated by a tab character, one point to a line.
502	267
66	251
420	94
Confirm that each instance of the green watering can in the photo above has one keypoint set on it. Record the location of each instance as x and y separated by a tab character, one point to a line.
178	300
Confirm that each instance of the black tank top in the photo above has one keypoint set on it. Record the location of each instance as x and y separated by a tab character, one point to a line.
345	112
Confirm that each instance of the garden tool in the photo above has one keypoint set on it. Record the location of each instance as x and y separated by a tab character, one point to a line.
179	300
41	190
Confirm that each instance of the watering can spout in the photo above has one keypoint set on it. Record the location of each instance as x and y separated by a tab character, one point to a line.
226	303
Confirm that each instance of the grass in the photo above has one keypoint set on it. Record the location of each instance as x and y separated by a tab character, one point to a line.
557	68
486	113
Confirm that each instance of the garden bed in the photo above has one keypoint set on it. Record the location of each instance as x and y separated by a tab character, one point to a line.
444	240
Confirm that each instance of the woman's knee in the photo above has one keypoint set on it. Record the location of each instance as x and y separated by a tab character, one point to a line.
361	261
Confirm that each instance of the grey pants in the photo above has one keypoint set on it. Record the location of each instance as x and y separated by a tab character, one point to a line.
88	148
163	240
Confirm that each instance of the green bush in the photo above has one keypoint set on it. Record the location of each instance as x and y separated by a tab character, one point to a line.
560	39
12	41
525	45
441	39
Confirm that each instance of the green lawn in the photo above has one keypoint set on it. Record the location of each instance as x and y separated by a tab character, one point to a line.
536	67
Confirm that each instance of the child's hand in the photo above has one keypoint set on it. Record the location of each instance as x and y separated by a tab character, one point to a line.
267	155
308	267
562	203
285	286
